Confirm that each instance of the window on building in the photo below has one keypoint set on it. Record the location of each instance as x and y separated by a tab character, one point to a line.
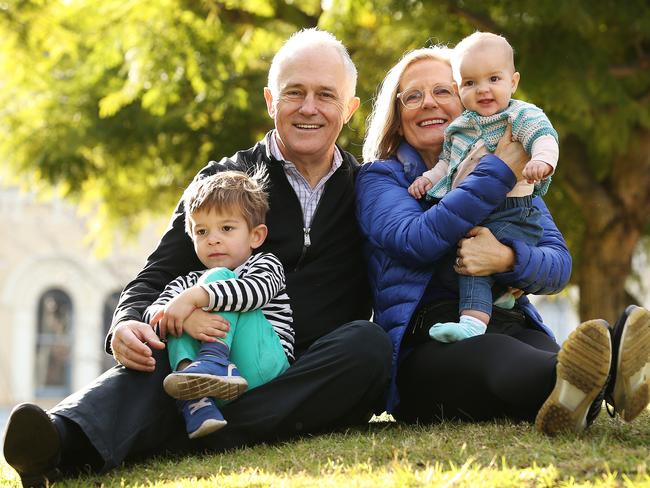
54	344
109	307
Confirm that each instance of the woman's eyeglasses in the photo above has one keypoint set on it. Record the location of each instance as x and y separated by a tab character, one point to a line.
414	98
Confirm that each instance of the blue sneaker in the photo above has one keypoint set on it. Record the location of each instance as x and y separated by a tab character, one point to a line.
202	417
207	376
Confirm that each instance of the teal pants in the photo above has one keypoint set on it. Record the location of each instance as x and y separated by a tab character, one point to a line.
255	348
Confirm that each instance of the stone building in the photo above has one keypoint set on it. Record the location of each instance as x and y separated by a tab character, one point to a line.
56	297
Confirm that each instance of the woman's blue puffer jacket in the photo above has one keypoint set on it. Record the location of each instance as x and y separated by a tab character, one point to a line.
404	239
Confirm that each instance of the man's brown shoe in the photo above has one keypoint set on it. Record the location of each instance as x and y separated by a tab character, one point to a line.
582	370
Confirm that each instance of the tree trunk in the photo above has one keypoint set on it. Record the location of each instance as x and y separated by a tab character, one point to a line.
606	264
615	211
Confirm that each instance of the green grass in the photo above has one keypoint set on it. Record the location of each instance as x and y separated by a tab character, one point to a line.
386	454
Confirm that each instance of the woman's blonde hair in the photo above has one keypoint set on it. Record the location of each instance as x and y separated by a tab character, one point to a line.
383	122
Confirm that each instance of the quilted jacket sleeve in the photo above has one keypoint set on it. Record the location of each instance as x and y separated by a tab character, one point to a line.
543	269
394	221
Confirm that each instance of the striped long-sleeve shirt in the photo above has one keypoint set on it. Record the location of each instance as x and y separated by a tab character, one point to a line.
529	123
259	284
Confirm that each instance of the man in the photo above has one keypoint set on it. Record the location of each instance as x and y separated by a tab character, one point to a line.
343	361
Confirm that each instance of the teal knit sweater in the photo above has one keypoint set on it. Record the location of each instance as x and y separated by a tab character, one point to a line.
528	123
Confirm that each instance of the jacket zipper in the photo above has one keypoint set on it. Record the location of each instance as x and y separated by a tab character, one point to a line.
306	242
305	246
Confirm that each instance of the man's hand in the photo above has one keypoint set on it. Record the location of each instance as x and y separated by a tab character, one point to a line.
131	344
420	186
206	326
511	152
481	254
536	171
171	318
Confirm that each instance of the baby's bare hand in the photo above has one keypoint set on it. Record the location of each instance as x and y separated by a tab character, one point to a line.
536	171
419	187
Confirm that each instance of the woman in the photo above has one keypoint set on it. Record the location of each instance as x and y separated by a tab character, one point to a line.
511	370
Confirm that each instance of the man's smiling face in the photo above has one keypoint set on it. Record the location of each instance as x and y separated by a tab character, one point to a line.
312	105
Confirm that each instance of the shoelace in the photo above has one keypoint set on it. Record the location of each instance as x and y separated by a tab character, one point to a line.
231	367
198	405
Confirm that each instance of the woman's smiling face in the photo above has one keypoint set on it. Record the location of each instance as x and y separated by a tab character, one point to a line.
424	127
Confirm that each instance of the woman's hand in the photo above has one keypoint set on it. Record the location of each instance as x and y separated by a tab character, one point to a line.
206	326
481	254
512	153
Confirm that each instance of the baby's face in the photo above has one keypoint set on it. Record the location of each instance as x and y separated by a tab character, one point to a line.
488	80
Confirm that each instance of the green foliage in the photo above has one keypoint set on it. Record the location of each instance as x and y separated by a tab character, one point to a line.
587	64
117	104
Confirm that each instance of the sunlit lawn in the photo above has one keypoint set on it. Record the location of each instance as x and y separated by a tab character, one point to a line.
386	454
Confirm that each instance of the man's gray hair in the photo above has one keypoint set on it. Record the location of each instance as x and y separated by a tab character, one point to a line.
307	38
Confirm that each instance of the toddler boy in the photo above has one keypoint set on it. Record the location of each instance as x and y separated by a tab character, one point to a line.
224	216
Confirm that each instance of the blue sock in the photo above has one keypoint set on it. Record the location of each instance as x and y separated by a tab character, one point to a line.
216	349
468	326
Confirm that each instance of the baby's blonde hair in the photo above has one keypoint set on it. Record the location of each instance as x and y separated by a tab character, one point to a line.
229	190
480	39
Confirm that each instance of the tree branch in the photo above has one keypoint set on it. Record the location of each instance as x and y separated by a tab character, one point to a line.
645	98
486	23
631	177
624	70
233	15
292	14
480	21
283	11
583	188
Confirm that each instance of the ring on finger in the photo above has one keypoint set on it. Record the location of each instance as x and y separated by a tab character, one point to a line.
459	261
